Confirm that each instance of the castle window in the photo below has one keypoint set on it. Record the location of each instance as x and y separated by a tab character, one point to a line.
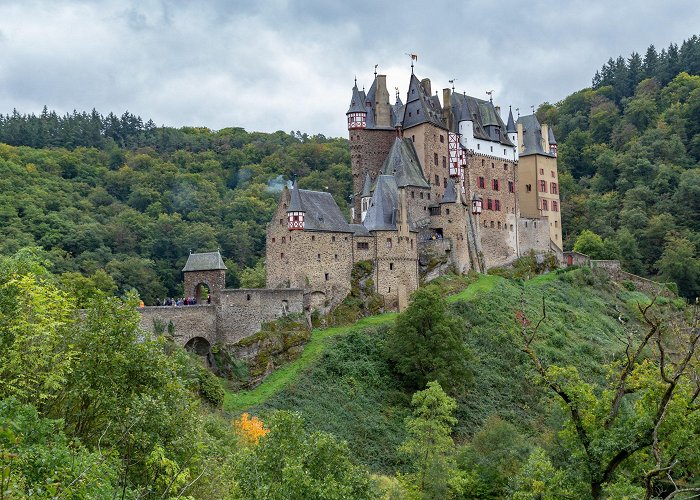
421	196
504	151
486	224
494	184
327	276
444	162
389	289
553	188
541	171
247	297
525	223
555	206
318	256
442	138
511	187
437	180
491	224
499	224
282	255
528	187
444	182
413	138
505	165
535	224
281	221
413	194
283	239
346	238
544	205
543	186
489	204
362	245
391	266
497	206
273	240
336	256
556	223
388	242
483	162
478	146
313	238
447	211
482	182
434	210
435	158
492	149
409	114
418	111
493	165
333	239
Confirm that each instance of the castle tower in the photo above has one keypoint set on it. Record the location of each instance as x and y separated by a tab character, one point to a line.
551	141
204	269
295	212
371	134
512	131
366	195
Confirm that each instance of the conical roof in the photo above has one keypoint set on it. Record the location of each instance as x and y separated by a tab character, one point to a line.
381	214
295	201
510	128
550	136
357	104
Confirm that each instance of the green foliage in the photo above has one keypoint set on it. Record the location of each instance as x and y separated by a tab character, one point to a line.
254	277
590	244
428	343
290	463
538	479
429	446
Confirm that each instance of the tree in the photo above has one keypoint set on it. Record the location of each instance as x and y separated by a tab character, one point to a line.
254	277
679	264
647	410
289	463
590	244
429	447
427	343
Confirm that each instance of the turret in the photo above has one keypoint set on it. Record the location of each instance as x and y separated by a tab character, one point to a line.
295	212
512	131
357	114
552	141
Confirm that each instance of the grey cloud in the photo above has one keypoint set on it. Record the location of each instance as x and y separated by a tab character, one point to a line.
289	64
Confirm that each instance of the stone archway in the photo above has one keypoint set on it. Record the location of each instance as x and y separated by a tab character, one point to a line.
201	347
202	292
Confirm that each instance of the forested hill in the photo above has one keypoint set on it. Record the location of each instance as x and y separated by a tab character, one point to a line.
117	193
629	149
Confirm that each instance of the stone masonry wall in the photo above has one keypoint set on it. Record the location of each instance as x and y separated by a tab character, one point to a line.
241	312
453	222
188	321
396	268
533	234
432	147
368	150
215	280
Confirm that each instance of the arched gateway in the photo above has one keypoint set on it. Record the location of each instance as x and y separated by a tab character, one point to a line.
204	271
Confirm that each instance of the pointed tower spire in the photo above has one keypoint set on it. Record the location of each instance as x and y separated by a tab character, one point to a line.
510	127
357	114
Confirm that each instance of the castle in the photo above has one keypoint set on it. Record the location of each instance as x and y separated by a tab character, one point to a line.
431	180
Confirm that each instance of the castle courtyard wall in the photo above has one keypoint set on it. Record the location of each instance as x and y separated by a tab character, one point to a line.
188	321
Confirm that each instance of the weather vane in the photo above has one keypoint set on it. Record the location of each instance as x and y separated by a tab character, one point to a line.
414	57
397	92
490	94
375	70
517	110
533	109
453	83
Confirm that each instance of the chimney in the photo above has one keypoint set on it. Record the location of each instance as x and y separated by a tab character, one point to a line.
382	106
426	85
447	107
498	111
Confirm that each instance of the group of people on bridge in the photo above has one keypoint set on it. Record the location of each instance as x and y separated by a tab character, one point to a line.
183	301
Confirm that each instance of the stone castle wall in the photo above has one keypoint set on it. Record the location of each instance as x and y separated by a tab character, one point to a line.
237	314
215	280
396	268
533	234
432	144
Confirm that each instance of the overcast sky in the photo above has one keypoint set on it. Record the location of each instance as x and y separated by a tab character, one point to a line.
289	65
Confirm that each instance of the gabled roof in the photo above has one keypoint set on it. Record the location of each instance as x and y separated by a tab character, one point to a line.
450	194
321	212
532	136
510	127
488	125
402	162
421	107
381	214
367	187
359	230
209	261
357	103
550	135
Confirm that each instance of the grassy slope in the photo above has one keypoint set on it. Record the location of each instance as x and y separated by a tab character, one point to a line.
343	383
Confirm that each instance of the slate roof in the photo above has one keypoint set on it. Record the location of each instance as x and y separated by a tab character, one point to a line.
209	261
397	112
550	135
510	127
359	230
421	107
321	212
450	194
367	187
483	114
402	162
532	136
381	214
295	200
357	103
